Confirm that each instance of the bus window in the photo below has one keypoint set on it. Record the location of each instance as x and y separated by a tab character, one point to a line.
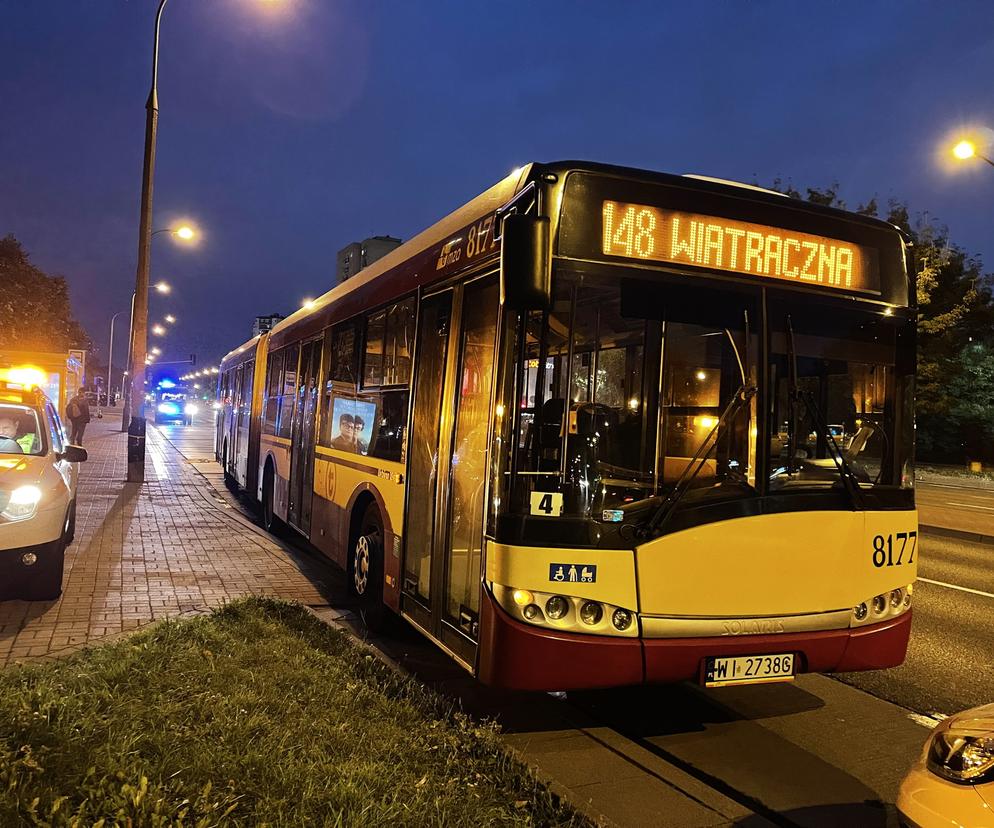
274	368
609	424
341	359
289	390
399	336
373	362
844	403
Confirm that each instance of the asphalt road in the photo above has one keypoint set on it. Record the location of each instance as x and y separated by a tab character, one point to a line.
950	663
821	751
961	507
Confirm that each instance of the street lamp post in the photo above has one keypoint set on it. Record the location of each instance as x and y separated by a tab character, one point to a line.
136	428
110	363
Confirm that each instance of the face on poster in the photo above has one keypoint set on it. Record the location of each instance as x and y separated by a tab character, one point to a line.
352	424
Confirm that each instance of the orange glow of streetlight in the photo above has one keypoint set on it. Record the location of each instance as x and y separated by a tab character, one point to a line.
307	304
185	232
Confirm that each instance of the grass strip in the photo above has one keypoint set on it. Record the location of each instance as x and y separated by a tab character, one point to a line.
257	714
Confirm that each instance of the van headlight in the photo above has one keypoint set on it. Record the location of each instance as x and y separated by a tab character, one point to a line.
21	503
966	757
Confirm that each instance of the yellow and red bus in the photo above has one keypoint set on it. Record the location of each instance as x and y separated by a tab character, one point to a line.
602	426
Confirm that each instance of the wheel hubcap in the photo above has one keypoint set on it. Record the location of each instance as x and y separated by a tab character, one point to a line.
360	570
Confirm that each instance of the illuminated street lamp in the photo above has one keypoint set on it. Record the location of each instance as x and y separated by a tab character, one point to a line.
184	232
158	330
156	351
170	318
966	149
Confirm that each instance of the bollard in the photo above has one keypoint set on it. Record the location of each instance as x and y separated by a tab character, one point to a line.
136	450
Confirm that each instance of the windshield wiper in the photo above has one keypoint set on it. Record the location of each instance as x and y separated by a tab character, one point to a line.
850	482
662	514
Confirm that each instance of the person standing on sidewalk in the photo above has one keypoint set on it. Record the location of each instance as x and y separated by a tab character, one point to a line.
78	412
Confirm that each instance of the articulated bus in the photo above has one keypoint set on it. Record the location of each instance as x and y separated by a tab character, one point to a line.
602	427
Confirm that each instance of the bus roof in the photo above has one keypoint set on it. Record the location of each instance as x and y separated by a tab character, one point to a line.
416	253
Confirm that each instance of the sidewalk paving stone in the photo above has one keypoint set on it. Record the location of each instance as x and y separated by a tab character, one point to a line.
167	548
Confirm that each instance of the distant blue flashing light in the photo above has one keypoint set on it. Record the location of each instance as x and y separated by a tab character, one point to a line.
166	383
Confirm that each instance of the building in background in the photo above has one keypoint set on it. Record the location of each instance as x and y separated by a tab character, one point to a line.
266	323
354	257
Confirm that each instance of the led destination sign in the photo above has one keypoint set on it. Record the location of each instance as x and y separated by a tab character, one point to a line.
638	231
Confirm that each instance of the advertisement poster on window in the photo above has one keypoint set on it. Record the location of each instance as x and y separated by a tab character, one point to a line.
352	424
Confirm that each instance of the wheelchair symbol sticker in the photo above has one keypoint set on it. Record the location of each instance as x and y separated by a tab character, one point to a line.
570	573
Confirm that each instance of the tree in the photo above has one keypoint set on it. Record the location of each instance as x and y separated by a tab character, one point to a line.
35	314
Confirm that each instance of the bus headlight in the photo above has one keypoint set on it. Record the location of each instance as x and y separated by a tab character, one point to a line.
622	619
565	613
190	408
881	607
532	612
591	613
22	503
556	607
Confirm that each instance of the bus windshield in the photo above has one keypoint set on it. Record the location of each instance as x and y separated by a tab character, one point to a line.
629	388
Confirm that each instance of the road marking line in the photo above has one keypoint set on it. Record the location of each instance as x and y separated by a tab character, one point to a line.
956	586
955	486
926	721
970	505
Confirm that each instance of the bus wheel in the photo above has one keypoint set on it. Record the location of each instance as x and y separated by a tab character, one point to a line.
365	570
269	519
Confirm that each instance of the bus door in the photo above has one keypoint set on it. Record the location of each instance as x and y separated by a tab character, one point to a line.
231	424
242	417
446	496
302	437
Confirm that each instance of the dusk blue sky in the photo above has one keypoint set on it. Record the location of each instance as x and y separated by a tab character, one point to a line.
288	130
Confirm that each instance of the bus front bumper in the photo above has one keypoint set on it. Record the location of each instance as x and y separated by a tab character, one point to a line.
521	657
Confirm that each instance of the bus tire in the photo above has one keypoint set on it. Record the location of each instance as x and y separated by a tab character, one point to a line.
365	569
269	519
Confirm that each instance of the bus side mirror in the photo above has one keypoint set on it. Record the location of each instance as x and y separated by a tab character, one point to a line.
525	263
